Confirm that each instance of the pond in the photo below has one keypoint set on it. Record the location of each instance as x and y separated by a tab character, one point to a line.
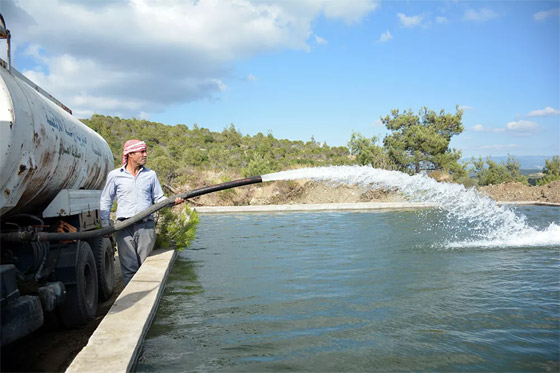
357	291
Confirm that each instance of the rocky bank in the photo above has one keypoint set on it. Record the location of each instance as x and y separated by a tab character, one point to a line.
513	191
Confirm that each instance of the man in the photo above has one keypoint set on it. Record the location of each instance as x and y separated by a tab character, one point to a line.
136	188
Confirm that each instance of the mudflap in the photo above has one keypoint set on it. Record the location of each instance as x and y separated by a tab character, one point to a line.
66	263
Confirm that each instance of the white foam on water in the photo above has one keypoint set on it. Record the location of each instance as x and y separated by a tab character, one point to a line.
526	238
490	224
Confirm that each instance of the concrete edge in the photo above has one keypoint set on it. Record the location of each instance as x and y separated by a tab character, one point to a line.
117	341
536	203
316	207
342	206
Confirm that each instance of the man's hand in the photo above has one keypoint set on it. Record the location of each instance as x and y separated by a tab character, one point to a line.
105	224
179	200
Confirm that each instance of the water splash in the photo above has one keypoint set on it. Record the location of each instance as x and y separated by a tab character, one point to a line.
489	224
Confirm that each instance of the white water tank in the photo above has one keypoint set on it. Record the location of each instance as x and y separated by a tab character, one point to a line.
43	149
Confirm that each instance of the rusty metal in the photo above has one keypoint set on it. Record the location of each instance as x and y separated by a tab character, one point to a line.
5	34
64	227
43	149
3	31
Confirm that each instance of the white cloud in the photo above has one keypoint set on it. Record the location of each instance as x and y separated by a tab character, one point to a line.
144	116
385	37
480	128
34	51
320	40
251	78
481	15
116	56
349	11
498	147
544	14
411	21
87	87
547	111
519	128
377	123
522	126
441	19
465	107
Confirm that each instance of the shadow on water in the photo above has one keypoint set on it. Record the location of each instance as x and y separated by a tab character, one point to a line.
182	283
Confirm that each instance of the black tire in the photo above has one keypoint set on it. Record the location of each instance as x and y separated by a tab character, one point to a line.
104	255
80	305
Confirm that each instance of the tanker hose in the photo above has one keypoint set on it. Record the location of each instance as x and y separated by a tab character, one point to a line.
51	236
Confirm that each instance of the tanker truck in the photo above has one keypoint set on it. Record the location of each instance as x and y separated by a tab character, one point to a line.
52	170
54	256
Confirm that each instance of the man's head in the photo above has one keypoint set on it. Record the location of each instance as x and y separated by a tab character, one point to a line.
134	151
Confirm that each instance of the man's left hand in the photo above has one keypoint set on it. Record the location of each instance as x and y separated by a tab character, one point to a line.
179	200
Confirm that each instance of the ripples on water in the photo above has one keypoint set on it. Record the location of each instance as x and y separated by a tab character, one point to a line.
356	291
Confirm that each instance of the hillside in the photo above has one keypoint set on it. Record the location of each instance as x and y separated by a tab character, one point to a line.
180	153
187	158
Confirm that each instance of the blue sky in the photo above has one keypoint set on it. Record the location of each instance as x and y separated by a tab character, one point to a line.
297	69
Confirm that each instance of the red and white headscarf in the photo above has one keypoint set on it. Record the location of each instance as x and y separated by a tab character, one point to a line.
132	146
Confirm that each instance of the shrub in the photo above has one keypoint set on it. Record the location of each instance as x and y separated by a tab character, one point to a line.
258	165
497	173
551	171
178	228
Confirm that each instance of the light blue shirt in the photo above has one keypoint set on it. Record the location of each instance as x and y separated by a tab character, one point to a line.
134	194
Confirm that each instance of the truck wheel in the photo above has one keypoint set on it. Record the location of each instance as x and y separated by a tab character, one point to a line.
104	261
80	305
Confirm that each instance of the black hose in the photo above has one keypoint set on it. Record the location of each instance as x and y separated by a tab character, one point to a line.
54	236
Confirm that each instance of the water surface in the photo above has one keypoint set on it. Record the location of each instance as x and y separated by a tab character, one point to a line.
356	291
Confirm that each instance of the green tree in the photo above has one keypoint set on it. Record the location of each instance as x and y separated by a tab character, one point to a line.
551	170
368	153
478	169
258	165
165	167
421	142
497	173
232	136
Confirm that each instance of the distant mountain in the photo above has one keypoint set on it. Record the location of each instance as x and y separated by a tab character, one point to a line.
527	162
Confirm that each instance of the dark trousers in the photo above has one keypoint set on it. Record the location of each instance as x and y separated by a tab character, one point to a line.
135	243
